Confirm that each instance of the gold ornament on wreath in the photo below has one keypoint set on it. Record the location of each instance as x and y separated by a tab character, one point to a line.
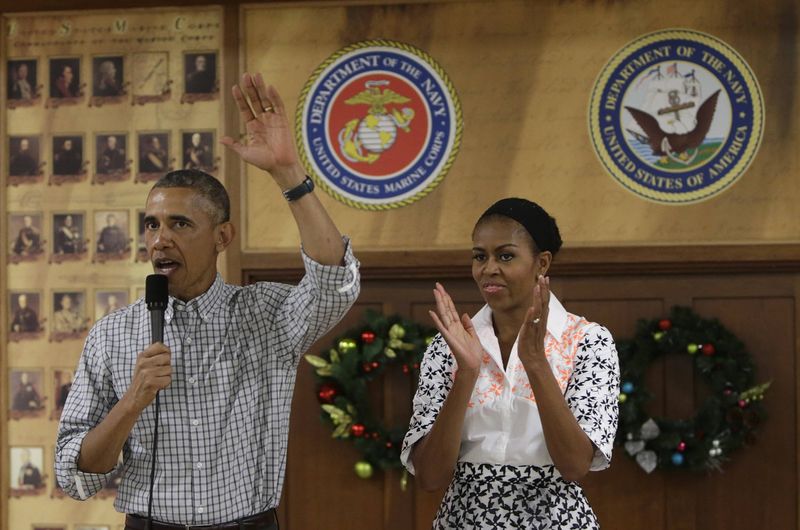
343	373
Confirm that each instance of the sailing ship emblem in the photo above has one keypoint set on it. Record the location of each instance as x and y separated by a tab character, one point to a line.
676	116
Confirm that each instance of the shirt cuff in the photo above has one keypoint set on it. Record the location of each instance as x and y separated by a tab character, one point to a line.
80	484
341	278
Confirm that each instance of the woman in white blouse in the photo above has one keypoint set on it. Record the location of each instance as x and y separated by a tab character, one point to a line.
519	402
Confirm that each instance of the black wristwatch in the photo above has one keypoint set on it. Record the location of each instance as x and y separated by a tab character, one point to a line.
298	191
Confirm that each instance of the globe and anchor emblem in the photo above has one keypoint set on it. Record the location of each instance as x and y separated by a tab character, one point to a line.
363	140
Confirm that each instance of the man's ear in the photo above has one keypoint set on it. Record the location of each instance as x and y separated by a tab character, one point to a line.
225	234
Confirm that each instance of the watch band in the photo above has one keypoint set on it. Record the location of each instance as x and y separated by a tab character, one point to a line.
298	191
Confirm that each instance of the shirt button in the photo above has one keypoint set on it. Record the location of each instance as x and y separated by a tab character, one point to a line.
196	423
192	380
199	465
200	509
188	340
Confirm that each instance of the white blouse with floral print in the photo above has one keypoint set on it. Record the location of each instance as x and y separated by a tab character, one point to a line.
502	424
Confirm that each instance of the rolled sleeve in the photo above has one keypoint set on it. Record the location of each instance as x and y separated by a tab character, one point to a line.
317	303
593	392
87	404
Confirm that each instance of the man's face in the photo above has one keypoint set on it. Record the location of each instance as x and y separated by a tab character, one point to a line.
196	139
22	71
111	142
155	142
66	302
67	145
112	300
24	144
111	220
68	220
22	301
28	221
66	73
200	63
182	240
23	378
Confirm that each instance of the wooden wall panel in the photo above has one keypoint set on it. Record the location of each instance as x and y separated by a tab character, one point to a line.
758	487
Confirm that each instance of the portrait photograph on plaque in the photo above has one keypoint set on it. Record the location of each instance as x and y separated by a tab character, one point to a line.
65	81
25	235
200	76
62	384
26	387
198	150
69	237
153	155
141	247
25	165
69	162
25	315
69	316
26	466
107	301
23	88
112	235
112	163
108	80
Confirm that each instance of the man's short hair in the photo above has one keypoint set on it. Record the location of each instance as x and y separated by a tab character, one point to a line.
204	184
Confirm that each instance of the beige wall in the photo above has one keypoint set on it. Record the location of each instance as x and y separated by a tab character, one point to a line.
524	72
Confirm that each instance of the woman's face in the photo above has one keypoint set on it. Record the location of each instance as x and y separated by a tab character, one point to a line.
504	265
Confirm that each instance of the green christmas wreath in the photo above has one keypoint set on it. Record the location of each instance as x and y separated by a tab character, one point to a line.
724	422
359	356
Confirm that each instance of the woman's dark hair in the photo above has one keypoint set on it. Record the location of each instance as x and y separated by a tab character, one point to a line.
205	185
537	222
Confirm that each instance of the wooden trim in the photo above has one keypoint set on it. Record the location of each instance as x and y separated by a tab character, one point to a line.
4	249
578	261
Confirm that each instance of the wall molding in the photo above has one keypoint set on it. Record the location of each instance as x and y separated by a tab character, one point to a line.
573	262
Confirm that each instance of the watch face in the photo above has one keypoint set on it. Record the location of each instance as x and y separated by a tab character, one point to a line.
150	73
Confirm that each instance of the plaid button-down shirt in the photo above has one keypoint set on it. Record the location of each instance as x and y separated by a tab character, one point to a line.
224	419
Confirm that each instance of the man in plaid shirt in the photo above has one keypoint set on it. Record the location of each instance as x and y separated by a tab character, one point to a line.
227	367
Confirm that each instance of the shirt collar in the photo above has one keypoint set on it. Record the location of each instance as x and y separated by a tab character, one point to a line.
556	318
205	305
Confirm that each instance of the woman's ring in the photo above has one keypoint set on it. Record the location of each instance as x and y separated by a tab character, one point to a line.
269	109
536	320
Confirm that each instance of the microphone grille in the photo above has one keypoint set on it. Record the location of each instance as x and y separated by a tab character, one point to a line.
156	293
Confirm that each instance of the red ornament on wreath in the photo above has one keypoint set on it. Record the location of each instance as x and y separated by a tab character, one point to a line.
368	337
327	393
665	324
708	349
357	430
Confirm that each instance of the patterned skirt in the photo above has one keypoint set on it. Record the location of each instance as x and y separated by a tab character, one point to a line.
493	497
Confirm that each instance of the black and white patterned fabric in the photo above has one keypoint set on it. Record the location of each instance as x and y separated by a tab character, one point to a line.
224	420
495	497
505	477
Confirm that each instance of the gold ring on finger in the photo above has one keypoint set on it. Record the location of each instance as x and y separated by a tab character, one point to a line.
269	108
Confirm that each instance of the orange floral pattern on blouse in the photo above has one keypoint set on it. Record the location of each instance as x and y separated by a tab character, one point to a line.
560	354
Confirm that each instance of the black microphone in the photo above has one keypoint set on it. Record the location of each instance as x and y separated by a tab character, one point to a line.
156	297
